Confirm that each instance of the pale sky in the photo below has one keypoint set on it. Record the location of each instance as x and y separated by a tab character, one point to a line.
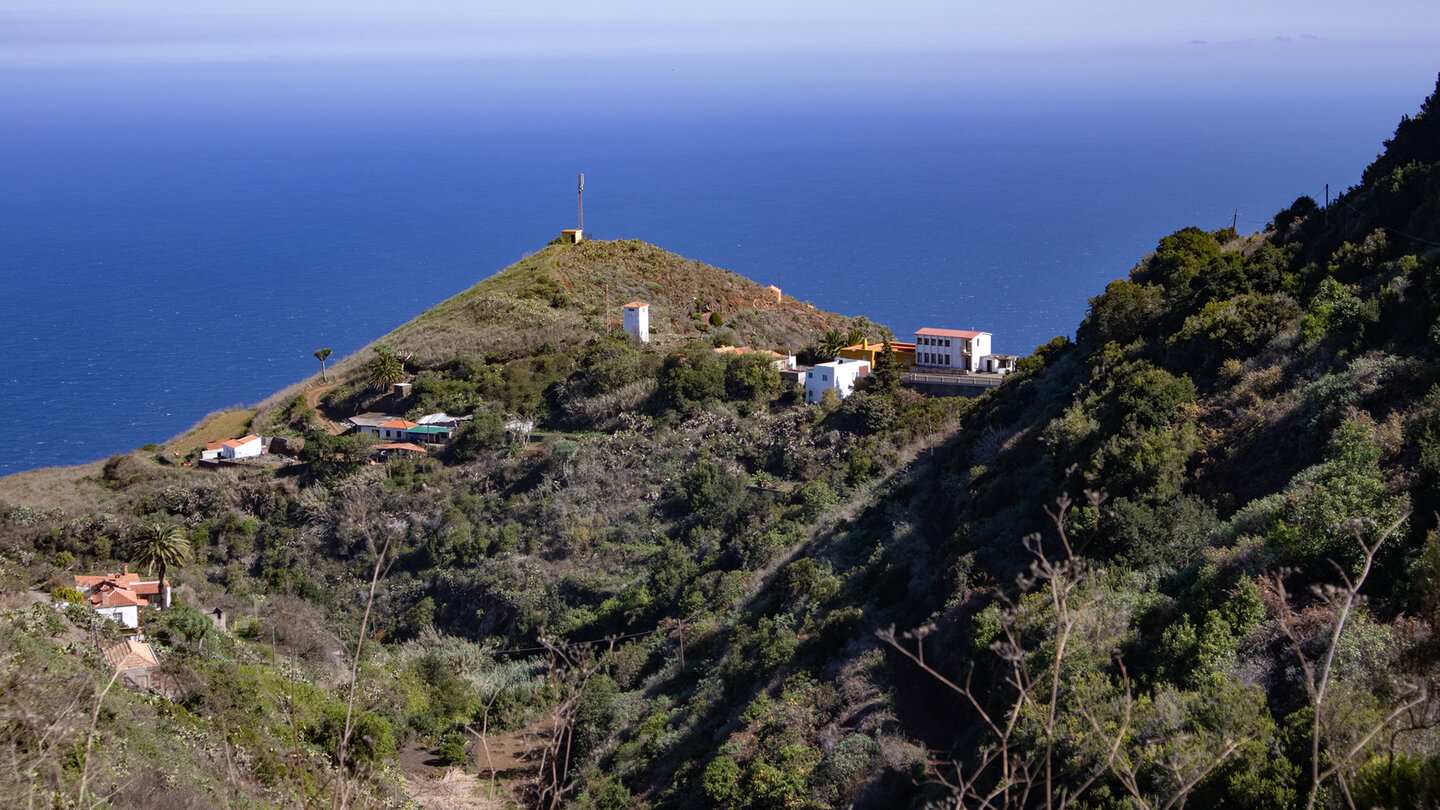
182	31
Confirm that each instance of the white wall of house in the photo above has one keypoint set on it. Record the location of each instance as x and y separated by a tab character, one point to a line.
839	374
999	363
128	615
247	449
951	350
637	321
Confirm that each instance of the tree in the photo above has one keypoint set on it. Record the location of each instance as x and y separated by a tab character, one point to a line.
160	545
322	355
190	622
386	369
885	377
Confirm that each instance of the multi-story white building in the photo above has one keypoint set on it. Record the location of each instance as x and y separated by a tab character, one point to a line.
839	374
950	348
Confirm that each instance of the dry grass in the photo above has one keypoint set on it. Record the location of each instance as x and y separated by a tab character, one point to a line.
231	423
568	293
72	489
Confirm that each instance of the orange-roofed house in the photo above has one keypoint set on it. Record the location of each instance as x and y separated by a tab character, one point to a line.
957	349
637	320
244	447
211	451
135	660
870	352
120	596
395	429
781	362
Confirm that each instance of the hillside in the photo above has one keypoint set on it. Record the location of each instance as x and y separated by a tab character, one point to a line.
1191	557
565	294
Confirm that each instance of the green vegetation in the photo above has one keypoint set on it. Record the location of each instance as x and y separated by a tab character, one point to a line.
1191	557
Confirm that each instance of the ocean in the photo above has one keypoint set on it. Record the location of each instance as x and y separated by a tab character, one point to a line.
175	239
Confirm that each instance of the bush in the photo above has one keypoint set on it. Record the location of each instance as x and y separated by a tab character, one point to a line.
452	749
66	593
484	432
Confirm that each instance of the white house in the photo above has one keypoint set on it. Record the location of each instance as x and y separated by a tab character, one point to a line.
950	348
998	363
245	447
121	595
370	422
839	374
212	450
637	320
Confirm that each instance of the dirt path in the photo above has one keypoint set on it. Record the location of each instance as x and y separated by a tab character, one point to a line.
312	398
513	757
453	789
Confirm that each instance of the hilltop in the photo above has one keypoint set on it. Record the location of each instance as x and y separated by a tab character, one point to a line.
566	294
1191	556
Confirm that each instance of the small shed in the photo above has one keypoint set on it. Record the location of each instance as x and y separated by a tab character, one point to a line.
775	291
637	320
572	236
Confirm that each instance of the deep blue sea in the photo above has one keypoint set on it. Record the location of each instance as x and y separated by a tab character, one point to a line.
177	239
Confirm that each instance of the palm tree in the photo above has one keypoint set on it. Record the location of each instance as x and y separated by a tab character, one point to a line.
386	369
322	355
160	545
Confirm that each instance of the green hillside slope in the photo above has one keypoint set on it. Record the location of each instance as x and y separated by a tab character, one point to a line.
1190	558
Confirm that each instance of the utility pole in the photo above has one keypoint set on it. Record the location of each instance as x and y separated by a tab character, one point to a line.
580	194
1327	205
1235	220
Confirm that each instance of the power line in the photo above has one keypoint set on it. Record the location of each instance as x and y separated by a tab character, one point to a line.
1342	201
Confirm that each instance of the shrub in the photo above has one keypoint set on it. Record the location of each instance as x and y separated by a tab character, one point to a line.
65	593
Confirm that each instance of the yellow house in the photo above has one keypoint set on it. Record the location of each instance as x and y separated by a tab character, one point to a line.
865	350
572	236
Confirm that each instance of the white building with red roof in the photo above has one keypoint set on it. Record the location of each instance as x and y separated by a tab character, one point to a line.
958	349
243	447
637	320
120	596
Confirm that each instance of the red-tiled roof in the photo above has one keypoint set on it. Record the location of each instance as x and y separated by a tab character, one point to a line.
243	440
950	333
402	424
97	584
130	654
634	304
107	597
215	445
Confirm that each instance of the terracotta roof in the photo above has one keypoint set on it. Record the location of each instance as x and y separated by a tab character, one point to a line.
106	597
216	445
636	304
130	654
950	333
403	424
243	440
125	580
131	583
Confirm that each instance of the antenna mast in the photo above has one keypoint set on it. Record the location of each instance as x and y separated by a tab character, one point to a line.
580	195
